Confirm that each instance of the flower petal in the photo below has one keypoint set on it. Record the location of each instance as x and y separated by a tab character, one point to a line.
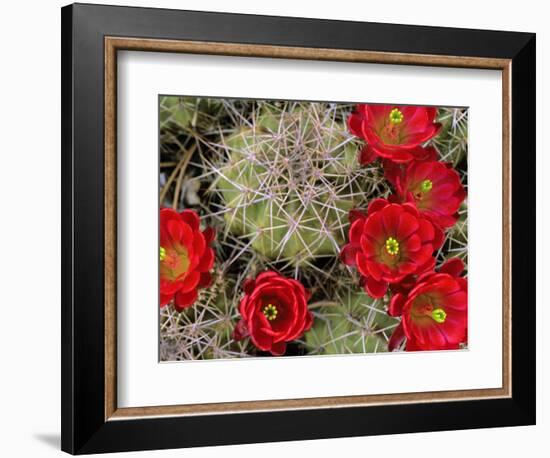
361	263
407	225
191	218
348	254
184	300
356	231
209	235
240	331
375	289
367	155
396	338
190	282
376	205
396	305
205	280
207	261
278	348
453	267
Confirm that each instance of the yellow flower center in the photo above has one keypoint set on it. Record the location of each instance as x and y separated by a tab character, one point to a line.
392	246
396	117
270	312
439	315
174	262
426	185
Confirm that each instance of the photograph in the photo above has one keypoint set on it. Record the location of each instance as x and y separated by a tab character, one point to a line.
307	228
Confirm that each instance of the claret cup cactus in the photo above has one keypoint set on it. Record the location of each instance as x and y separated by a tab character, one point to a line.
276	182
288	179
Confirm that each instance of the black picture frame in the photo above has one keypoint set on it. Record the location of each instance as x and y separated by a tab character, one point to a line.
84	427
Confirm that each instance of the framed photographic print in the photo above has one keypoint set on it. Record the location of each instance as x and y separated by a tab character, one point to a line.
281	229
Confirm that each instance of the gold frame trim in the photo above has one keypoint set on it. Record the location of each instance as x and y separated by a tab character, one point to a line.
114	44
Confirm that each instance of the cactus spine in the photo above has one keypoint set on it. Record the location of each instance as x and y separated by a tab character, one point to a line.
288	179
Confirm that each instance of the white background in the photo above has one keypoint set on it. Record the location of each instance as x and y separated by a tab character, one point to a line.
30	229
142	76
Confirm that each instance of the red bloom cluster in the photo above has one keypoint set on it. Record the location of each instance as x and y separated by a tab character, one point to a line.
274	311
434	311
393	132
186	257
393	243
389	243
435	188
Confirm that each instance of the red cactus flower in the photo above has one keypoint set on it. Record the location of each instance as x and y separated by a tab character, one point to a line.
389	243
434	311
395	170
393	132
435	188
185	257
274	311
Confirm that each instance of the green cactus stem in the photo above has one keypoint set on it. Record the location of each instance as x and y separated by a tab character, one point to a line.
288	179
353	323
452	140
